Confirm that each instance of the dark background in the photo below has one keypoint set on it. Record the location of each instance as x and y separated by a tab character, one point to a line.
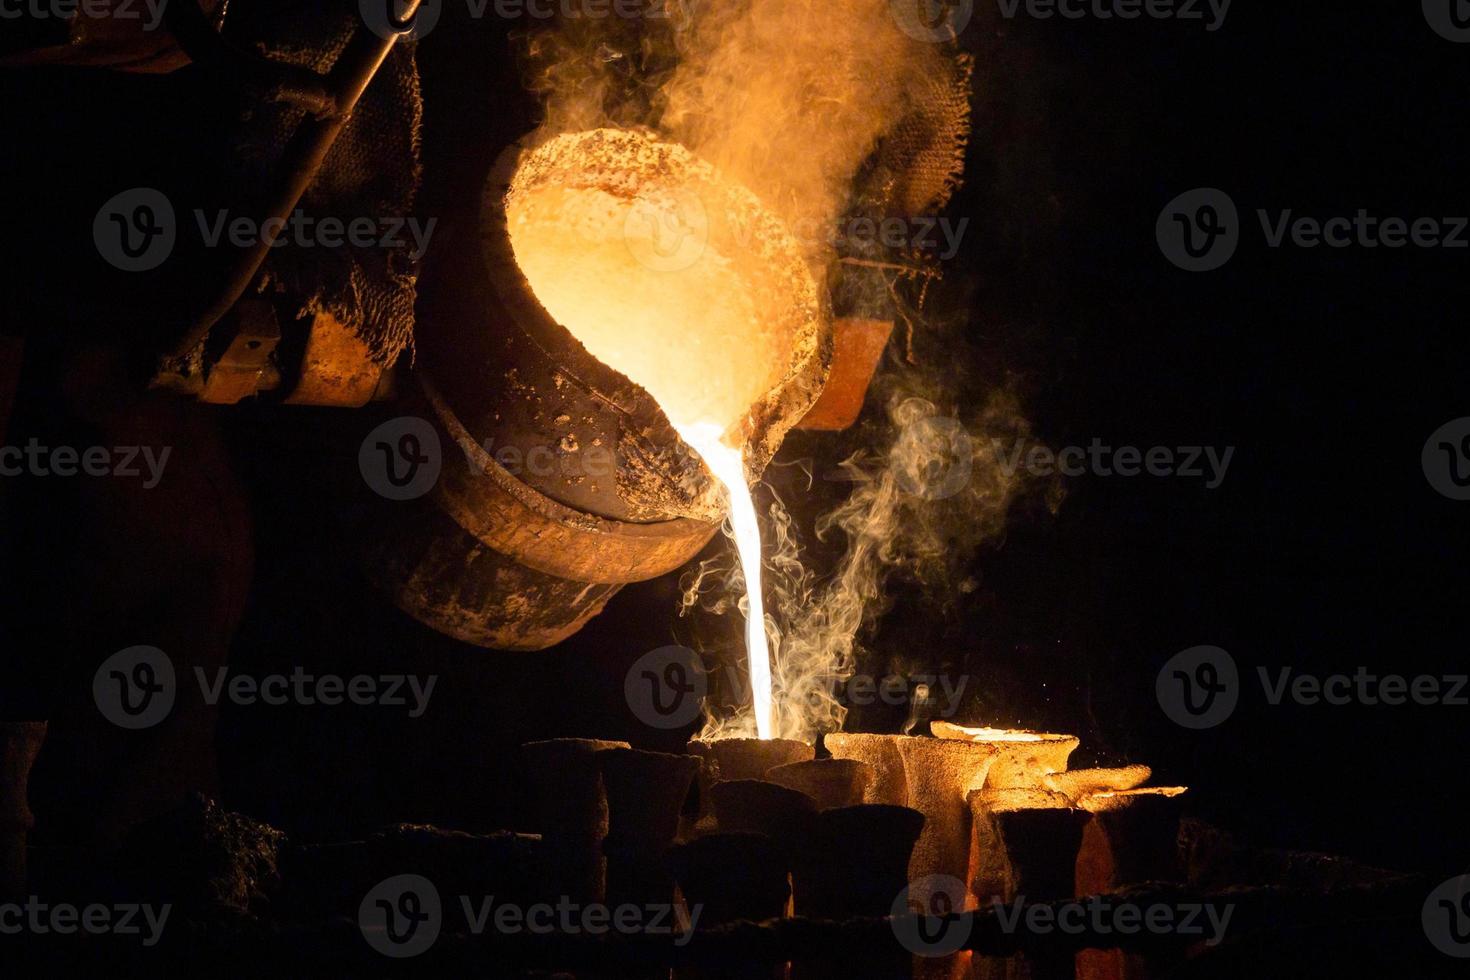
1325	548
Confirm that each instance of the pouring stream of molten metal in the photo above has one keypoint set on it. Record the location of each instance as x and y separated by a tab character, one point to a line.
726	464
660	268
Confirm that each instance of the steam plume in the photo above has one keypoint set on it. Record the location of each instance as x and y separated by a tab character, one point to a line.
924	499
790	98
787	97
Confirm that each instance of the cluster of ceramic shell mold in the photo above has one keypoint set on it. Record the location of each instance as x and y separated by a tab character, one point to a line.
1005	818
778	832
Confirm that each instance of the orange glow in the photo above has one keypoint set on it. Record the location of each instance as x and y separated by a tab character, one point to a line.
945	729
680	280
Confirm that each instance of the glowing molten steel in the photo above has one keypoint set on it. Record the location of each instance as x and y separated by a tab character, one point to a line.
726	464
683	282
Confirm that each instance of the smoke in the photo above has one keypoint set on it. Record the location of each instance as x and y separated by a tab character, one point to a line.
792	98
787	97
928	494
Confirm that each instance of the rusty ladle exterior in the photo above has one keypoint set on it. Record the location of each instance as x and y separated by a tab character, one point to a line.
521	560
